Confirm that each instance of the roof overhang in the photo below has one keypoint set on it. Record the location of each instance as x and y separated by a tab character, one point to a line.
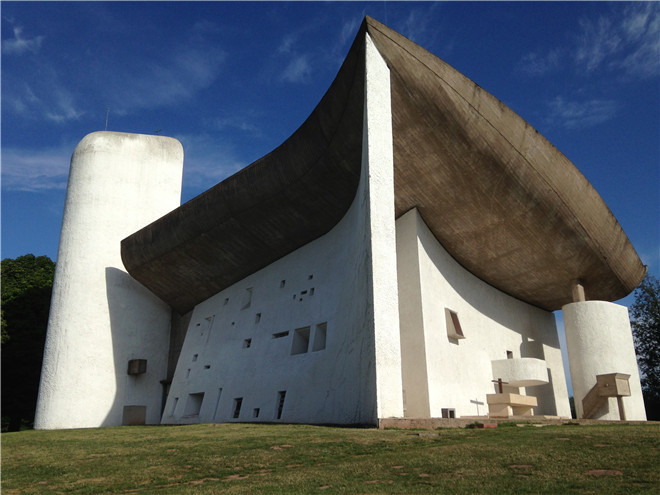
504	202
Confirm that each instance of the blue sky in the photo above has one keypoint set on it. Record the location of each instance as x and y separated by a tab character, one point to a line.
232	81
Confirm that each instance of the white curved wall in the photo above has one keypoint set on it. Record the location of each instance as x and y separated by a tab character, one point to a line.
342	285
100	317
444	373
599	341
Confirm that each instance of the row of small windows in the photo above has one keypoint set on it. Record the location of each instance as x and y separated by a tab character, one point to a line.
247	295
195	401
301	339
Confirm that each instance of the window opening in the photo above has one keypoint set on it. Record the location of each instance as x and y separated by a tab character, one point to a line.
509	355
300	340
188	373
282	284
176	401
247	298
454	329
195	357
255	412
194	404
257	318
217	404
237	407
310	277
319	337
311	291
448	413
226	301
207	366
247	343
280	403
279	335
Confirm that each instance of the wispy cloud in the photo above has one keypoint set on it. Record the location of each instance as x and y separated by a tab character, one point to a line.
27	170
576	114
535	64
629	43
18	45
298	70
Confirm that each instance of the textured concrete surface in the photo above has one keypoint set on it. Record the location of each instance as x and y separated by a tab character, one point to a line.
498	196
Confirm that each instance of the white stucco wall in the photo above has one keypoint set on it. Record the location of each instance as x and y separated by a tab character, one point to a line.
100	317
599	341
344	280
441	372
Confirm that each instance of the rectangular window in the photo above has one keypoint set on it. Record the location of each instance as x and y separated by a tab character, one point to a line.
176	401
454	329
448	413
247	343
280	403
279	335
257	318
319	337
238	402
300	340
282	284
247	298
194	404
255	412
217	404
509	355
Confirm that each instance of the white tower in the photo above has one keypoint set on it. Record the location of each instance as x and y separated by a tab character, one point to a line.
100	318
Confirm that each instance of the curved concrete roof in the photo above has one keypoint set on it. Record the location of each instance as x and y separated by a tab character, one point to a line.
502	200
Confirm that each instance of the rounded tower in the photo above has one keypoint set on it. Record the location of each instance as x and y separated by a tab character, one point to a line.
100	318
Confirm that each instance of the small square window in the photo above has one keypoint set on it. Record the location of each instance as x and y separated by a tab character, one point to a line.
300	341
247	343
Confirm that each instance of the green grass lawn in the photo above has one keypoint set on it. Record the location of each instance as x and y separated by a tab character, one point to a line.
245	458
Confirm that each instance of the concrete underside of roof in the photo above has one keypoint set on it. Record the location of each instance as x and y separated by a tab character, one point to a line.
503	201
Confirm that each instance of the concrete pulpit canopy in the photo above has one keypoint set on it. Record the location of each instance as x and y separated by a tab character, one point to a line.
502	200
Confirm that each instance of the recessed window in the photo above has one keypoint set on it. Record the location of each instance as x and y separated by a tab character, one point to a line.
280	335
238	402
509	355
257	318
247	343
303	293
194	404
207	366
188	373
176	401
137	366
217	403
300	340
226	301
280	403
195	357
310	277
319	337
247	298
255	412
454	329
448	413
311	291
282	284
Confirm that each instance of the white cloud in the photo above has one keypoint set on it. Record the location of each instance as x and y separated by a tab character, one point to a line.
575	114
27	170
534	64
628	41
18	45
297	70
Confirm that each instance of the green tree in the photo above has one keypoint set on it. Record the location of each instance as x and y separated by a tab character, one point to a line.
645	313
27	283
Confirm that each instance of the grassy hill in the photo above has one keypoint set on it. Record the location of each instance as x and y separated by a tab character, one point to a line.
286	459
